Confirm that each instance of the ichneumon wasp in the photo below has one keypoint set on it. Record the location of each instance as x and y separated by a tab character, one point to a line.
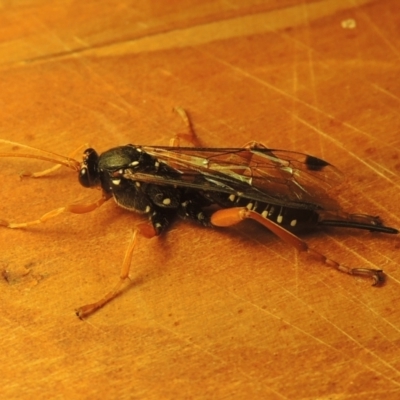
284	191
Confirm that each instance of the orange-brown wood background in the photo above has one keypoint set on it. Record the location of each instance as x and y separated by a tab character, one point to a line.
209	313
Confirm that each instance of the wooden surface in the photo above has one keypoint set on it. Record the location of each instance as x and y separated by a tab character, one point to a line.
210	313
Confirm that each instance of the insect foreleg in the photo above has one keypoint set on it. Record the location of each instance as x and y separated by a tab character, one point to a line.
231	216
79	208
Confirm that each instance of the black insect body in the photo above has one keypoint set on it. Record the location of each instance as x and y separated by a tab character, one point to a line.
115	170
140	180
282	190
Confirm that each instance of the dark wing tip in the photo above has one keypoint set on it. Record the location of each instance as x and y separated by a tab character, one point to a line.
315	163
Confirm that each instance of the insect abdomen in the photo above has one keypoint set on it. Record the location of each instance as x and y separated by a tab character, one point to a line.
292	219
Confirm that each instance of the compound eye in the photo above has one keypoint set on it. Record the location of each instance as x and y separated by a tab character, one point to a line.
89	174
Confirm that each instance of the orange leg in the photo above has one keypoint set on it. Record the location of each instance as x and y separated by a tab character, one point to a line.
73	208
146	230
231	216
190	135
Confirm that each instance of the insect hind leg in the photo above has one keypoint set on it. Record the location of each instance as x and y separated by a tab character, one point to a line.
231	216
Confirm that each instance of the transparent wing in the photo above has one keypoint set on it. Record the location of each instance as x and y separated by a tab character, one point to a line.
272	176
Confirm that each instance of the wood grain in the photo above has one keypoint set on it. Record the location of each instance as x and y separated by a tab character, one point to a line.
209	313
